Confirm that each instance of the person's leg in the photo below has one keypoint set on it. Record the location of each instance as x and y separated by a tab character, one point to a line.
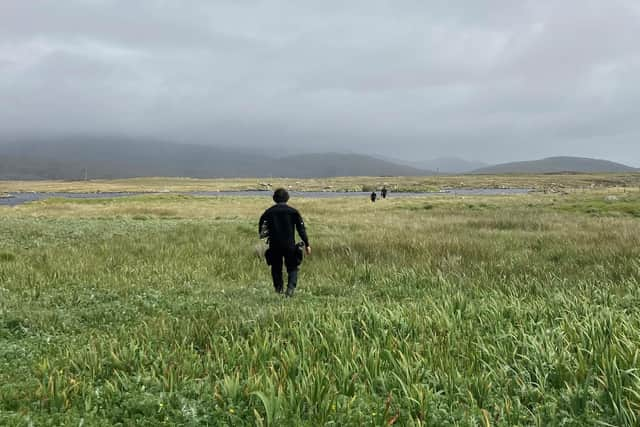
291	263
292	279
276	270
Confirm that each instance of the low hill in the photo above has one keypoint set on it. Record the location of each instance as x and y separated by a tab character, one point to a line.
557	165
120	158
450	165
110	158
337	164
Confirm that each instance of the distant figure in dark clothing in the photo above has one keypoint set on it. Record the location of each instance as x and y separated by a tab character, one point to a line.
278	225
383	192
373	196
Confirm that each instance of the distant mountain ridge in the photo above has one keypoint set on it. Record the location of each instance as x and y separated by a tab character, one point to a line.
439	165
557	165
449	165
339	164
104	158
111	158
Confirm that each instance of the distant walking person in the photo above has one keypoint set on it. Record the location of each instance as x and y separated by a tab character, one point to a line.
278	225
373	196
383	192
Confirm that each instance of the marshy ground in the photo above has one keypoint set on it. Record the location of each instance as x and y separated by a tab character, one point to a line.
152	310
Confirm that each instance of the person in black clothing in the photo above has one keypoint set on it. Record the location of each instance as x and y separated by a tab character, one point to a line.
373	196
278	225
383	192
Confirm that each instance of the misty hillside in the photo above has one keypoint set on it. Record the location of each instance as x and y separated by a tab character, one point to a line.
557	164
449	165
336	164
105	158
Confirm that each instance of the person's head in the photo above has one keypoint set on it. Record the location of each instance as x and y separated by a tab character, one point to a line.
281	195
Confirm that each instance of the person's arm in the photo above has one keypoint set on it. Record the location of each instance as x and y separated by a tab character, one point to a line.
302	231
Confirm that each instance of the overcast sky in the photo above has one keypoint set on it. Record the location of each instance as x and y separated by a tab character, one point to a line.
485	80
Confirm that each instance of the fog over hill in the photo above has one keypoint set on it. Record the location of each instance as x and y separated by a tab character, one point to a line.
339	164
111	157
492	81
125	158
449	165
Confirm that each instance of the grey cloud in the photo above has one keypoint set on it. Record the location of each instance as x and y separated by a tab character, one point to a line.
493	80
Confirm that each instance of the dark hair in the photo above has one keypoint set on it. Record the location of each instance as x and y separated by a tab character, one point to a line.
281	195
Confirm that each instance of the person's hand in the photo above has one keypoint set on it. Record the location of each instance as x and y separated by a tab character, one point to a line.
308	250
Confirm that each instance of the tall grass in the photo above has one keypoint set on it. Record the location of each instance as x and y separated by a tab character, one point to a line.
553	183
440	311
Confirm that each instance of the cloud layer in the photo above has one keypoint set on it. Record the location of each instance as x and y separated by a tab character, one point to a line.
494	80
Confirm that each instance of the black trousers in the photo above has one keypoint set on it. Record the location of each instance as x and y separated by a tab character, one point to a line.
276	257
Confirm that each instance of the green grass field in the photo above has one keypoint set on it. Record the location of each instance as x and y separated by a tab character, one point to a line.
156	310
546	182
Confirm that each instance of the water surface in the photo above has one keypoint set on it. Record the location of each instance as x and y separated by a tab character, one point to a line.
21	198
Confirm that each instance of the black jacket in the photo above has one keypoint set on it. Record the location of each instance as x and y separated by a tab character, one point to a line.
278	223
